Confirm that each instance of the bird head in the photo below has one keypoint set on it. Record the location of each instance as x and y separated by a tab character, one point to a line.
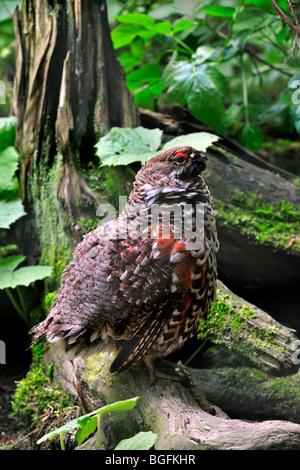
172	173
181	163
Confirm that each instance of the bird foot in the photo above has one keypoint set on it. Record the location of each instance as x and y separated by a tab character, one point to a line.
182	375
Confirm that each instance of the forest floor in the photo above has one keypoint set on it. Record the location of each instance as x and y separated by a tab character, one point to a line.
13	431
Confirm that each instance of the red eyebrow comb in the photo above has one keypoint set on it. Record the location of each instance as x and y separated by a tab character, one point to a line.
181	154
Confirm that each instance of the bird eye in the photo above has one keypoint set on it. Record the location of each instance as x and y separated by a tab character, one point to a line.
180	157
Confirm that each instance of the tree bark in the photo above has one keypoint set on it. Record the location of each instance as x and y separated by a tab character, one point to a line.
249	394
251	334
69	90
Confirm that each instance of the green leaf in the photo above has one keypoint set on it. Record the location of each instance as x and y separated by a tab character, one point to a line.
136	18
86	427
199	140
88	423
10	211
23	276
124	34
7	8
144	98
145	84
9	162
257	103
141	441
203	53
267	6
280	37
82	421
137	25
143	74
7	131
122	146
122	405
183	25
251	136
219	11
117	147
233	114
73	424
200	86
10	263
164	27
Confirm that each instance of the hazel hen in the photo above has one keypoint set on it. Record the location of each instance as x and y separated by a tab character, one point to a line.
142	293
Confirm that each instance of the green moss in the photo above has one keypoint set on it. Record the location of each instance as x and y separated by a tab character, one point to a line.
109	182
230	324
97	366
272	224
49	299
36	393
246	380
50	222
87	225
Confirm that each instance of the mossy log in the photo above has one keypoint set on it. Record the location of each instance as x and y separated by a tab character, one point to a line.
248	393
189	414
251	333
179	414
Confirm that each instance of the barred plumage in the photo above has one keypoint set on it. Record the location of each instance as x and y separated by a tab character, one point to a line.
142	294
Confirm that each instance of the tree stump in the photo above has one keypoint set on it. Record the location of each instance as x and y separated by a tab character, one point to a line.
179	414
69	90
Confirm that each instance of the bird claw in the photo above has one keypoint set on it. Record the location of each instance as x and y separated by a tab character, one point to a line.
182	375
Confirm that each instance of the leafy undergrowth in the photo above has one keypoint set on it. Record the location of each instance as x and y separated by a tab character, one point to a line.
41	403
57	421
235	67
87	424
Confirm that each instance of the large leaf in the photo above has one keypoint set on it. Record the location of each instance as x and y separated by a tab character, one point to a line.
141	441
10	211
9	162
10	263
90	419
267	6
138	24
183	25
257	103
125	33
199	140
142	75
86	426
200	86
7	8
23	276
136	18
220	11
7	131
251	136
122	146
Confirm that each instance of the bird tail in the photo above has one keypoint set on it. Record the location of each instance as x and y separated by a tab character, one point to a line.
132	351
75	340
